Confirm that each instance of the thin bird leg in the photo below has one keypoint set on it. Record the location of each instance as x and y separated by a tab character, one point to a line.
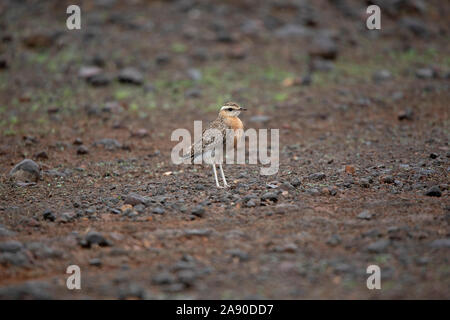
215	176
225	184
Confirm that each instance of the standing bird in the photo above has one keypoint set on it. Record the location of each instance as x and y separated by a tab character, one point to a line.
227	119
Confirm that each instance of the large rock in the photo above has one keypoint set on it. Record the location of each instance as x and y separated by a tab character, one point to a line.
26	171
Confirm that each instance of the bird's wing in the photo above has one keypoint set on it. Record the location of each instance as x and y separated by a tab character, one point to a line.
208	141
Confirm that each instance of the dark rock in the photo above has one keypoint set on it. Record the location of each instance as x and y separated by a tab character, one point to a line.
135	199
291	31
94	237
99	80
82	150
324	47
11	246
317	176
158	210
236	253
379	246
440	243
29	290
387	179
381	75
406	114
425	73
19	259
108	144
5	232
416	26
163	278
96	262
48	215
41	155
296	182
270	196
434	191
42	251
434	155
334	240
198	211
162	59
25	171
131	75
193	93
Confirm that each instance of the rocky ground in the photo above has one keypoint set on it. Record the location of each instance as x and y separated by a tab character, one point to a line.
364	150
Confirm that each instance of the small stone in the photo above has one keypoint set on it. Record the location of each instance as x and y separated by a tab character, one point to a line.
236	253
317	176
406	114
78	142
94	237
82	150
193	93
135	199
41	155
198	211
296	182
440	243
163	278
379	246
434	191
425	73
48	215
334	240
95	262
381	75
11	246
158	210
387	179
270	196
259	119
365	215
131	76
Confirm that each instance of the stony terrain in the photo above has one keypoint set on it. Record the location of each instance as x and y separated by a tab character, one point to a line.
364	150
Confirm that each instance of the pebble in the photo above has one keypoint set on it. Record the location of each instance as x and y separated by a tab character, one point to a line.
82	150
440	243
48	215
434	191
317	176
131	75
379	246
11	246
365	215
198	211
94	237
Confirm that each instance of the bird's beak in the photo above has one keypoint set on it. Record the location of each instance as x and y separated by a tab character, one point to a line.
242	109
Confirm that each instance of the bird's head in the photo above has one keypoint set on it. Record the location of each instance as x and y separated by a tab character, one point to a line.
231	109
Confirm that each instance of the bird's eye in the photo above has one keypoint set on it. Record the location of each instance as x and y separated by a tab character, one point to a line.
230	109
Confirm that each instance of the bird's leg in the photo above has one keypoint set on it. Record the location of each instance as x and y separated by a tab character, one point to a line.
225	184
215	176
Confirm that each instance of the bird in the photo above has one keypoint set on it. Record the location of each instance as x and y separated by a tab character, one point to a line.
227	119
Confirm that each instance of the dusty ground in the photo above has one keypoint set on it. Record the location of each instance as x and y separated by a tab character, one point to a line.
364	150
